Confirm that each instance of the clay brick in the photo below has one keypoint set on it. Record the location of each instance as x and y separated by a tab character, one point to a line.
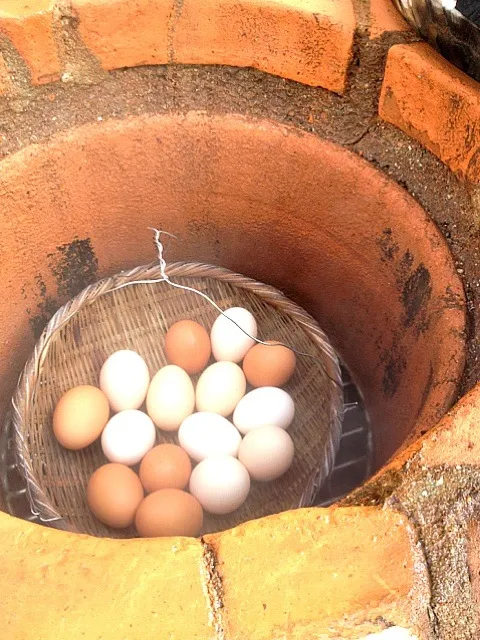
56	585
434	103
125	34
454	440
309	42
29	27
312	572
384	18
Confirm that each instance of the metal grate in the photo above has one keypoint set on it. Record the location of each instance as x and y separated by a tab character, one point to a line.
353	463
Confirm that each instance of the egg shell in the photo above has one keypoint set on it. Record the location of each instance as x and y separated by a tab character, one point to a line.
229	343
166	466
187	344
128	436
170	397
114	493
80	416
262	407
169	512
220	388
206	434
221	484
269	365
267	453
124	379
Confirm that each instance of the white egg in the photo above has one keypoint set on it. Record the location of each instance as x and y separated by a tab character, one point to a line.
228	341
262	407
221	484
124	379
205	434
266	452
220	388
128	436
170	397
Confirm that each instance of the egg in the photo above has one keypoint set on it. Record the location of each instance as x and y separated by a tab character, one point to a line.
124	379
114	492
166	466
206	434
228	341
267	453
169	512
187	344
170	398
128	436
80	416
220	483
220	387
262	407
269	366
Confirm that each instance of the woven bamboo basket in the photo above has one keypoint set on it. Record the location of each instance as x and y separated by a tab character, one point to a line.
108	316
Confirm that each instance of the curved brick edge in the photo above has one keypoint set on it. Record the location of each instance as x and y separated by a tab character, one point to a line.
434	103
230	586
310	43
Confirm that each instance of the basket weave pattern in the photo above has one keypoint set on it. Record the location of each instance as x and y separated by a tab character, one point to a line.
105	318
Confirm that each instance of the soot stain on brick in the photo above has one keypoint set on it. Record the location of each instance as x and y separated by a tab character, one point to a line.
416	294
45	308
388	245
394	367
407	261
74	266
394	363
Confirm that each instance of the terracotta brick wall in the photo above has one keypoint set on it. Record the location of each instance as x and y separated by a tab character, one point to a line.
399	558
309	42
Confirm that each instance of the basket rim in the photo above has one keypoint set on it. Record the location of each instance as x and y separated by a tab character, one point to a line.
24	396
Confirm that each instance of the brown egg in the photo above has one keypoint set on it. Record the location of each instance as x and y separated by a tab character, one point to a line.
169	512
187	344
80	416
113	494
269	366
166	466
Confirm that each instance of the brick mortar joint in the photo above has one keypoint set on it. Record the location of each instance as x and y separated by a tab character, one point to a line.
213	588
19	73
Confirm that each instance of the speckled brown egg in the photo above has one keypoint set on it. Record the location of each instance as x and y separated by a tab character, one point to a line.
80	416
269	366
114	493
166	466
169	512
187	344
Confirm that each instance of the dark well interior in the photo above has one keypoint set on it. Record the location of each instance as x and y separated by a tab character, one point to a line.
325	227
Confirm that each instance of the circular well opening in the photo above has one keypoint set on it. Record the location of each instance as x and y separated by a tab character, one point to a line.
284	207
